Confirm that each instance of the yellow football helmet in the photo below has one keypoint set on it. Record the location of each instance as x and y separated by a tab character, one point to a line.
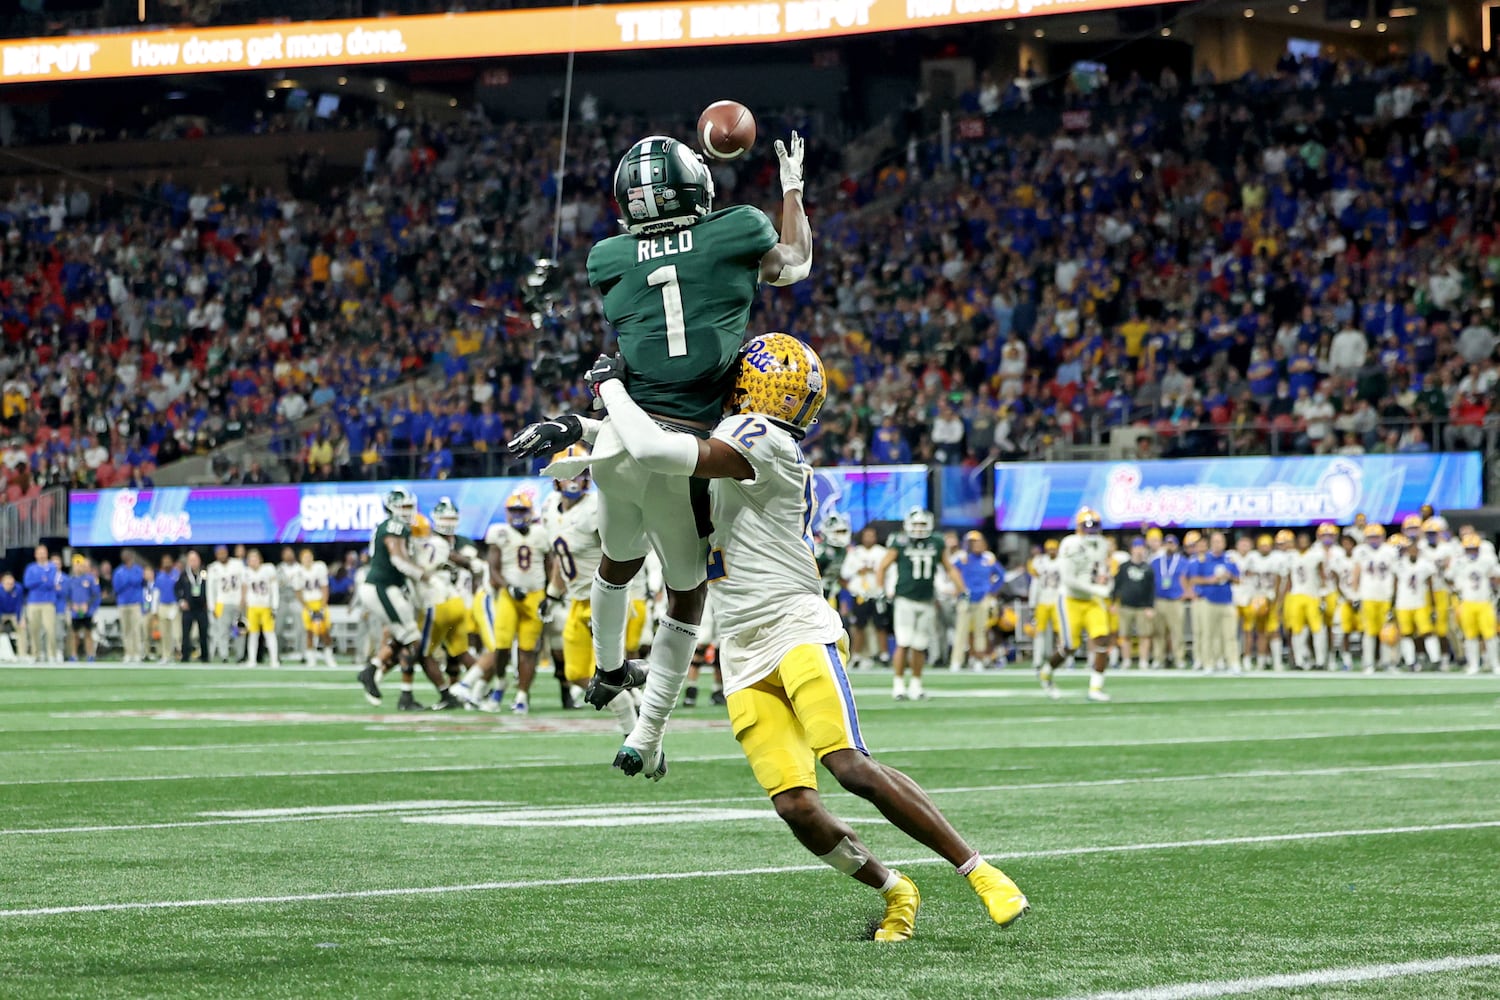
1435	525
1389	634
1191	538
1285	537
1264	543
1471	541
1374	533
1328	530
519	510
1260	607
782	378
1087	519
579	484
420	526
1411	524
1050	546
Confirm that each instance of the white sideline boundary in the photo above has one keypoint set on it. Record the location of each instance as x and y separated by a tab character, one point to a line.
390	810
440	890
711	758
1299	980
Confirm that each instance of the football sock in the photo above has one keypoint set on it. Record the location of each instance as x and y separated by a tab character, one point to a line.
609	604
1408	651
1045	673
406	685
1320	648
274	648
974	862
624	707
1096	681
915	687
1278	654
1434	651
254	648
898	688
1471	654
1492	653
472	678
892	879
667	666
328	656
1299	649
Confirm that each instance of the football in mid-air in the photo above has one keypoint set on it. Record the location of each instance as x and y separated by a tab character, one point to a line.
726	130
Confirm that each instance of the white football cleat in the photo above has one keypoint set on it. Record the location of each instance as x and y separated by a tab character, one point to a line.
1098	695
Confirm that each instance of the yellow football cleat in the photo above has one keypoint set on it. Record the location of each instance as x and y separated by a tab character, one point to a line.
1002	898
901	905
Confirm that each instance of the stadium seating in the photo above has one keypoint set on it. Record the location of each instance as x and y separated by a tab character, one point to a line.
1043	281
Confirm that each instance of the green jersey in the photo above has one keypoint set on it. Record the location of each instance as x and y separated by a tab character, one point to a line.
918	562
830	566
679	303
382	573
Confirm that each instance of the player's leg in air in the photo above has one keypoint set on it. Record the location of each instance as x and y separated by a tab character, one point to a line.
680	327
790	702
802	713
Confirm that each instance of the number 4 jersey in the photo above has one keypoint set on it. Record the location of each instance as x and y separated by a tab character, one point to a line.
679	304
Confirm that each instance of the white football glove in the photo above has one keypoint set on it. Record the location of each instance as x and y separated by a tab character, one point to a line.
791	164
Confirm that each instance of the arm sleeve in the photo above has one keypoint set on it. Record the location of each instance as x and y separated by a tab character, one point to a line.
659	450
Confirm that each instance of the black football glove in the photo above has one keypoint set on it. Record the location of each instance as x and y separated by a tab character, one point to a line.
517	594
548	437
607	368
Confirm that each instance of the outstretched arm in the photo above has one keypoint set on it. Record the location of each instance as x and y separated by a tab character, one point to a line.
671	453
790	260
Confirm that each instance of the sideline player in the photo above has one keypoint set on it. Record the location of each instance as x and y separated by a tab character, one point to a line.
831	549
259	596
1374	581
1303	612
1476	581
1085	584
1441	549
917	556
1043	595
311	577
226	588
1338	591
677	288
1267	568
1416	577
782	647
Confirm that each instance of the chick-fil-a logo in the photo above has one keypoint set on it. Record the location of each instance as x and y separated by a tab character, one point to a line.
155	529
1334	497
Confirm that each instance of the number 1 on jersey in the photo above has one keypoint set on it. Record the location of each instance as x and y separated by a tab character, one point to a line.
665	277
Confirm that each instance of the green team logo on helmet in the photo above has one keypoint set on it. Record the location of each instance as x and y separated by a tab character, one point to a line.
662	185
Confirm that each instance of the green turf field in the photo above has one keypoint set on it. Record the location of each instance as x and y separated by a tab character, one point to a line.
236	833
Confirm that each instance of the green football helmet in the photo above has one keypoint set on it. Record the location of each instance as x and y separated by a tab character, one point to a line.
445	517
661	185
401	504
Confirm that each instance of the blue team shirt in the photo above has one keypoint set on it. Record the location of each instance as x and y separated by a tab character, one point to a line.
981	573
1206	566
130	586
83	588
12	601
40	581
1171	575
166	586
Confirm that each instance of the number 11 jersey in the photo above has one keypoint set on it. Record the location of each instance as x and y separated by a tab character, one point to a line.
679	303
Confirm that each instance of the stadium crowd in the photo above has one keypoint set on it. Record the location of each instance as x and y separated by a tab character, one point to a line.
1238	268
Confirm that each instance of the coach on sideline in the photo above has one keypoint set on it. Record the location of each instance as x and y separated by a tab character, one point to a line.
192	598
1171	611
1211	575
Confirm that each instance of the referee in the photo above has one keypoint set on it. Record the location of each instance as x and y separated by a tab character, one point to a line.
1135	596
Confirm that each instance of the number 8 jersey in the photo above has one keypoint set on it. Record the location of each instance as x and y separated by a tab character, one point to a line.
522	556
577	546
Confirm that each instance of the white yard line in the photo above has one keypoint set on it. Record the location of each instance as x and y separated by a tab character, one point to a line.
1300	980
388	810
707	758
649	877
